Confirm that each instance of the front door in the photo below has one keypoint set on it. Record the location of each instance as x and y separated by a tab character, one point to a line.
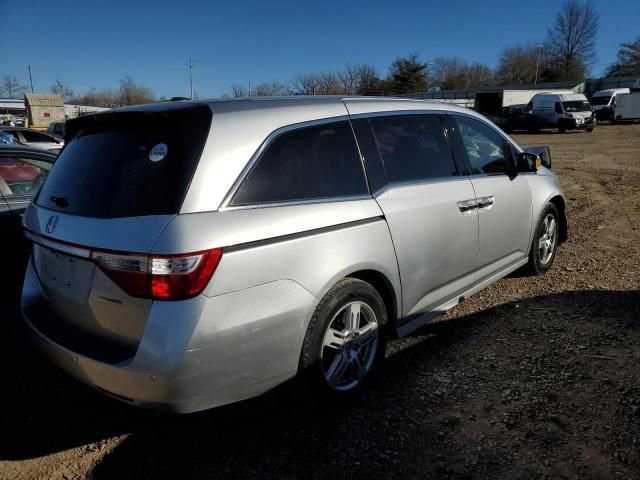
427	203
503	198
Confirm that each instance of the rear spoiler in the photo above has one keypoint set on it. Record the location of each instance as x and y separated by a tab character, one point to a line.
543	152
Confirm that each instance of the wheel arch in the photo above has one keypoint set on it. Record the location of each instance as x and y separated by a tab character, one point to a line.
383	285
560	204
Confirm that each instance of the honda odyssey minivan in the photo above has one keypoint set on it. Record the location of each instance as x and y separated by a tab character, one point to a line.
192	254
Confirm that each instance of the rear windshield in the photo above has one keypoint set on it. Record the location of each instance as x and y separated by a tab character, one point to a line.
127	164
600	100
577	106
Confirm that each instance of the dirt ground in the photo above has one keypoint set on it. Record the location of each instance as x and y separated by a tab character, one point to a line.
535	377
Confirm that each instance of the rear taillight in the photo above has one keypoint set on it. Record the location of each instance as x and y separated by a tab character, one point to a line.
162	277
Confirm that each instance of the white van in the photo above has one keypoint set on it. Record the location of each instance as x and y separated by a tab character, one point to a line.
564	111
604	102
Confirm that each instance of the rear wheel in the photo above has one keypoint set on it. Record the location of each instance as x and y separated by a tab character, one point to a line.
345	340
545	241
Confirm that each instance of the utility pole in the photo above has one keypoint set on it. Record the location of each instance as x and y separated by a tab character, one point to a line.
539	47
30	79
249	88
191	77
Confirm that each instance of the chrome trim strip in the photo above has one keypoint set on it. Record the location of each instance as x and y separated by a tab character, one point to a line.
263	146
418	182
61	247
289	203
305	233
394	113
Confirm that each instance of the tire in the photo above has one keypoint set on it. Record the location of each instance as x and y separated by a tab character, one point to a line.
337	363
589	130
540	259
562	130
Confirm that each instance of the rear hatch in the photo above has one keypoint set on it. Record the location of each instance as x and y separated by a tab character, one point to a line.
120	179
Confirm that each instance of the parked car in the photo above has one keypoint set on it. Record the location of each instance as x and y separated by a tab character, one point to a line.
56	129
34	138
568	111
7	138
22	171
213	250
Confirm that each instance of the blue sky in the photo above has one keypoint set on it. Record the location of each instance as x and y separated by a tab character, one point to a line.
94	44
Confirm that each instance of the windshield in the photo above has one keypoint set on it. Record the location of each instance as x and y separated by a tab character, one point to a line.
600	100
577	106
127	164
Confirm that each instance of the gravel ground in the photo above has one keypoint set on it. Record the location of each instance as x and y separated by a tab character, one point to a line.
535	377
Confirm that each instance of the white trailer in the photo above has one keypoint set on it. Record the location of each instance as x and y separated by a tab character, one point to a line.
494	102
627	107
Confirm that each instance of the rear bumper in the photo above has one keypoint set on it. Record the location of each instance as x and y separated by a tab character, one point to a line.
195	354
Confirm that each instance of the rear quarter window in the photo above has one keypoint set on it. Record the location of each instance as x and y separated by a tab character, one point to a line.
127	164
310	163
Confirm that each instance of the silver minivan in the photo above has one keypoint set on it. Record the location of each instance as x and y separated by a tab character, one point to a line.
192	254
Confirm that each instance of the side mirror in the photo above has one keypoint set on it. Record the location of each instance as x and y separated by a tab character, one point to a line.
528	162
543	152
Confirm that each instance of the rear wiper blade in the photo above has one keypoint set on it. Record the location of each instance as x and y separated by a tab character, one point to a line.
60	202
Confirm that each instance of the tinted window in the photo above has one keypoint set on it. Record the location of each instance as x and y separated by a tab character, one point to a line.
577	106
600	100
558	107
127	164
36	137
487	150
308	163
22	176
412	147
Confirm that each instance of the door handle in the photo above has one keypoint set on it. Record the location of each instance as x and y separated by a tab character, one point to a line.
467	207
485	203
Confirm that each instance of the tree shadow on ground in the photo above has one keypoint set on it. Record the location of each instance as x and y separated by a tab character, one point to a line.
276	435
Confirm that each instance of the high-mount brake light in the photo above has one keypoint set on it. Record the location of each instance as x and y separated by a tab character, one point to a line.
161	277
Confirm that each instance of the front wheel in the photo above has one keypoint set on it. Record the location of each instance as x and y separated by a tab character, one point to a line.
345	340
545	241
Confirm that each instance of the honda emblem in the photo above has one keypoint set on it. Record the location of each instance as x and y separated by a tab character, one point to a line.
52	223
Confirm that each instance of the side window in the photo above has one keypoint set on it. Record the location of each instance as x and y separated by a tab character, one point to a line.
412	147
22	176
36	137
558	107
487	150
305	164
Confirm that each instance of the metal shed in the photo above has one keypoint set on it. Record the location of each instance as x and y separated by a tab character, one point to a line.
42	109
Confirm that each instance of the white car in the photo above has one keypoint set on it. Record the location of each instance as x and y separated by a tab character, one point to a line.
33	138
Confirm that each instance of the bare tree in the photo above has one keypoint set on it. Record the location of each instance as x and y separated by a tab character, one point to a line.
360	79
449	73
305	84
628	62
61	89
517	65
349	77
130	93
238	91
10	87
369	82
98	98
273	88
479	75
572	39
329	84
